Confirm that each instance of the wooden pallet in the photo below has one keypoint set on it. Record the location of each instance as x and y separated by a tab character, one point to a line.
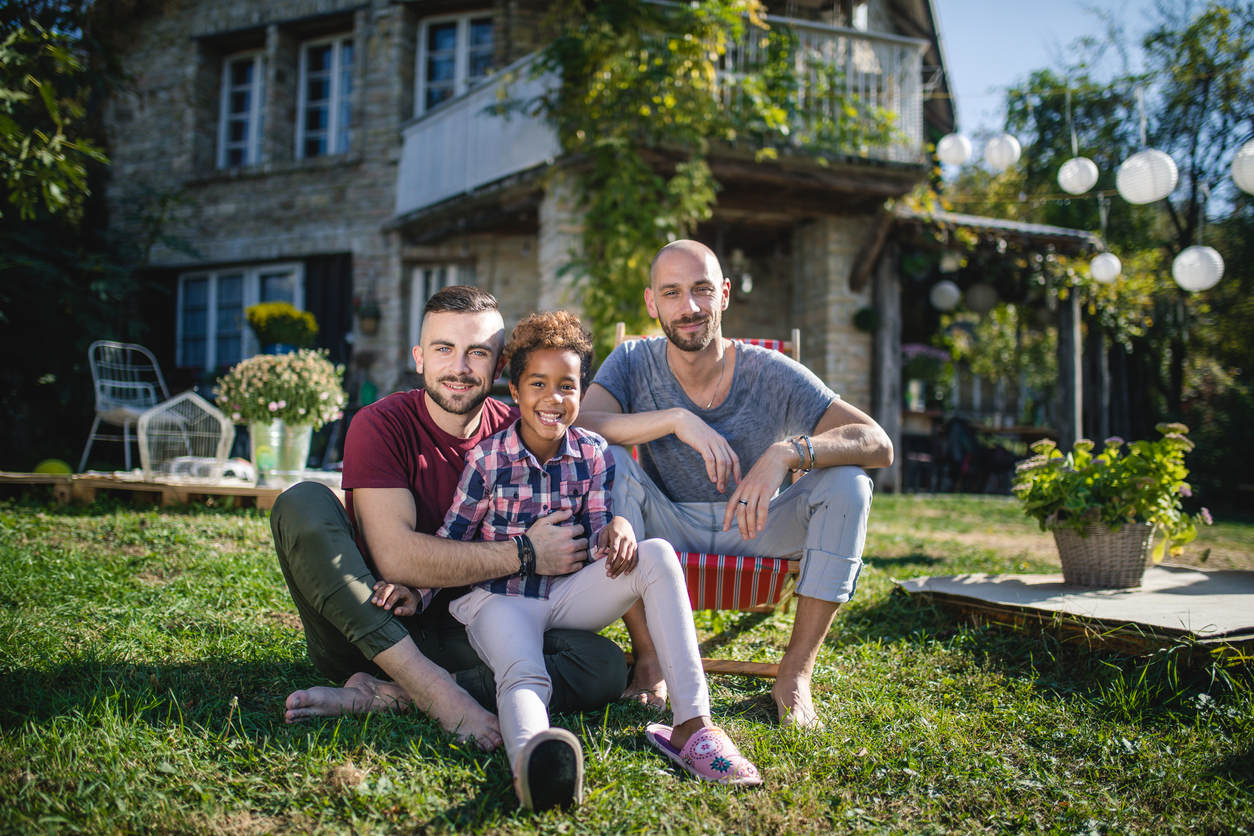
86	487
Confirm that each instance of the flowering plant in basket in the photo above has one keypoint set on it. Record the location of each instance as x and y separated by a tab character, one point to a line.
302	388
1112	487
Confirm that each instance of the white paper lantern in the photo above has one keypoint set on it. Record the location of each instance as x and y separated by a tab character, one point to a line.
1106	268
982	298
1243	168
1145	177
1198	268
944	295
1077	175
1001	152
954	149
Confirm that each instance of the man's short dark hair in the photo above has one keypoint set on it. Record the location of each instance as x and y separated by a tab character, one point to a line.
460	298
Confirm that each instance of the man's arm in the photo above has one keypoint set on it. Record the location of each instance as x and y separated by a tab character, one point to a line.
387	516
601	413
844	435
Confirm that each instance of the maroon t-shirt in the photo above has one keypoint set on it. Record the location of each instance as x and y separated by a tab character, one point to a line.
394	443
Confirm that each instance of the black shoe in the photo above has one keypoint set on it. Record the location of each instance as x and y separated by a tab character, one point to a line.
550	771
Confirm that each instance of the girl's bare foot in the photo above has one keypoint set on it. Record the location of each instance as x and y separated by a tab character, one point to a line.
647	686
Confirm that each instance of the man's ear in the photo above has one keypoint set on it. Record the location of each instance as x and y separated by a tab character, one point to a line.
500	366
650	304
726	292
418	358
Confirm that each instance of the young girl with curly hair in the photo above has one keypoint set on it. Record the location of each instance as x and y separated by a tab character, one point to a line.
540	465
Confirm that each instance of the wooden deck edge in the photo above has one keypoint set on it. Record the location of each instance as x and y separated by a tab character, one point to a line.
1098	634
86	487
731	666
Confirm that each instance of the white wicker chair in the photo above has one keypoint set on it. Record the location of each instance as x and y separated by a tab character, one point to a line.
128	382
185	437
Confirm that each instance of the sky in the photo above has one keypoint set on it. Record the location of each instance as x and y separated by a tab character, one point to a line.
992	44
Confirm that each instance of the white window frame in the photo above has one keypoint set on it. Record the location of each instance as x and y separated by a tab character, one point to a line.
252	295
461	80
336	122
252	144
425	280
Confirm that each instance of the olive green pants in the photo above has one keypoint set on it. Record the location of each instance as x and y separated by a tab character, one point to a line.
331	583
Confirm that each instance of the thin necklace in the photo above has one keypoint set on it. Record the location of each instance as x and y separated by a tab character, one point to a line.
721	367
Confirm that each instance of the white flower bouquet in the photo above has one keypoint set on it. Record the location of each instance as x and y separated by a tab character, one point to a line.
302	389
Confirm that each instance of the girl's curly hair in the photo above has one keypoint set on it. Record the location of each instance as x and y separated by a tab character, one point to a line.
551	329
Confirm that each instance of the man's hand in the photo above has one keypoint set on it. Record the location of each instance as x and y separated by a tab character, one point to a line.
749	504
401	600
560	549
721	462
617	545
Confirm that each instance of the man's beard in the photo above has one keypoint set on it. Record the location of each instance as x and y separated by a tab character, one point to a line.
699	341
458	405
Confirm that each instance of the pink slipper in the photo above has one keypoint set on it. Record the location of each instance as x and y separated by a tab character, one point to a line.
708	755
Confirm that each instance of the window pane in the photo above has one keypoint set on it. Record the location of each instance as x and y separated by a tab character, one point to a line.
346	54
481	32
237	130
442	37
242	72
319	58
315	146
235	156
435	95
194	352
278	287
316	119
441	69
239	102
318	90
480	64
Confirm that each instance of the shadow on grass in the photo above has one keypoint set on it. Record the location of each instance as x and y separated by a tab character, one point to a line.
912	559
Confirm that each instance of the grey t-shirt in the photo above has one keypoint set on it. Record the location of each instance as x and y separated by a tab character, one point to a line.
772	397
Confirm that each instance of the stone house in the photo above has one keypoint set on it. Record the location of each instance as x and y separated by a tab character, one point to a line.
321	151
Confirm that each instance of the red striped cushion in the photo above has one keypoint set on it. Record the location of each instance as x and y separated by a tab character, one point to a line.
726	582
774	345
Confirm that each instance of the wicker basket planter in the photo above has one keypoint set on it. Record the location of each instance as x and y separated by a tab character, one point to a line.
1104	559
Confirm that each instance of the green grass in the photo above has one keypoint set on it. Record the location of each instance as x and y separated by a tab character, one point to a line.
145	655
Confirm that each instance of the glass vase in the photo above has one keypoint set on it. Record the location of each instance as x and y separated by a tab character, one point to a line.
279	452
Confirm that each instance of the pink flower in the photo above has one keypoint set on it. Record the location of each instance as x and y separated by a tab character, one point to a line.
274	407
1206	517
1183	490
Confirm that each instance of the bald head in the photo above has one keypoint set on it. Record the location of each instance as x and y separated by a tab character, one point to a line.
693	252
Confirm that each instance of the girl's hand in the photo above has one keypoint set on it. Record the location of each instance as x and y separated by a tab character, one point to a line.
401	600
617	544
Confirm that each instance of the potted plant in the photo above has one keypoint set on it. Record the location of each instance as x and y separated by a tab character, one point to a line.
282	398
280	328
1105	509
368	313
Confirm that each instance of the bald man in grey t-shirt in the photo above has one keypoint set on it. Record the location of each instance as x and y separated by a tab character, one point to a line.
719	427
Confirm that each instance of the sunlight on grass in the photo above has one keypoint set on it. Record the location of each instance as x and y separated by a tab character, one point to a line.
146	656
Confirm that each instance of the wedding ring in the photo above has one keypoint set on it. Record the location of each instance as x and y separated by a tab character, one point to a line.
742	502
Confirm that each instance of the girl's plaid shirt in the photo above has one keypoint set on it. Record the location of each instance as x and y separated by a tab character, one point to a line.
504	489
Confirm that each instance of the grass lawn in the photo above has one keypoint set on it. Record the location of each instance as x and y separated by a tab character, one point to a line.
145	656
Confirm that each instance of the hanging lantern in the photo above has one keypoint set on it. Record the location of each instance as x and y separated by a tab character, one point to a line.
1198	268
1001	152
1077	175
954	149
1243	168
1146	177
950	262
944	295
1106	268
982	298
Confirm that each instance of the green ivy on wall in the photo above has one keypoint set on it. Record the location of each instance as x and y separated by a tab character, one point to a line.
647	89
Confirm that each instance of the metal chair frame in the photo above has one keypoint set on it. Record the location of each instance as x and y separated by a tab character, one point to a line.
128	382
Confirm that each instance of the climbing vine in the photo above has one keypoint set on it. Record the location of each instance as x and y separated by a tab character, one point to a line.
647	89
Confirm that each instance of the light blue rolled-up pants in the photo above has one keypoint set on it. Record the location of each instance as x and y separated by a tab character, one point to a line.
820	520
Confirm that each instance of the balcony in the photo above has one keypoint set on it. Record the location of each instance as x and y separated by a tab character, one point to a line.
857	95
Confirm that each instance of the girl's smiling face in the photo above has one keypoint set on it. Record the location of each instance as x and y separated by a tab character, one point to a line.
548	399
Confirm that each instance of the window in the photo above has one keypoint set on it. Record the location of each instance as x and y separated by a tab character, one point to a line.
326	86
239	133
425	283
211	331
453	53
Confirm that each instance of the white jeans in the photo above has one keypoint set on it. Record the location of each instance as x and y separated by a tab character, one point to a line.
508	634
820	520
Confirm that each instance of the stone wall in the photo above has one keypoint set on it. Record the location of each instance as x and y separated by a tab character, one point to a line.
824	250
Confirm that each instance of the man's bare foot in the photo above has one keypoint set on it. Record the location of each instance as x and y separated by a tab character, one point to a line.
796	708
647	686
361	693
457	712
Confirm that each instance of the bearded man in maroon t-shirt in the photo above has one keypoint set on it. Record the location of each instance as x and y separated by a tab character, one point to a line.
403	457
